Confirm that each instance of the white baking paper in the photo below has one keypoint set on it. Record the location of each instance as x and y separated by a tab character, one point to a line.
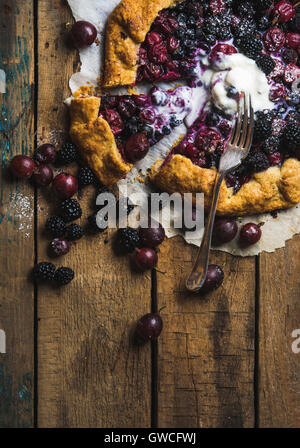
276	230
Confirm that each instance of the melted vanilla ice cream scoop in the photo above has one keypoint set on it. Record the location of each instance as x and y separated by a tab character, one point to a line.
242	73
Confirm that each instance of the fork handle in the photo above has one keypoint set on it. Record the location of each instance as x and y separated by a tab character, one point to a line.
197	276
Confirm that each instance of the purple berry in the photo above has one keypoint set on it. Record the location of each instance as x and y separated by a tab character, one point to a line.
65	185
145	259
225	230
149	327
214	278
250	234
22	167
60	246
42	175
83	34
46	153
152	236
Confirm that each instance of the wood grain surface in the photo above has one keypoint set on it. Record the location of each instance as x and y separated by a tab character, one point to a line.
224	360
16	215
206	352
96	375
279	316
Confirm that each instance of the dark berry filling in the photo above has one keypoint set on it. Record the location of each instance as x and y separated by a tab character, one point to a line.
265	31
170	46
140	121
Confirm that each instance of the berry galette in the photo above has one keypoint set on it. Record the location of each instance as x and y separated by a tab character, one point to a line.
215	49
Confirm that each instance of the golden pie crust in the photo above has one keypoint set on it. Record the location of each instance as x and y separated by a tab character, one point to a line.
126	30
94	138
273	189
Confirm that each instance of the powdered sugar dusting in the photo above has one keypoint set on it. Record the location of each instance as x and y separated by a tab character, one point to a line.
20	211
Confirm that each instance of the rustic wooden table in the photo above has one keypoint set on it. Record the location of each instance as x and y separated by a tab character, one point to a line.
223	361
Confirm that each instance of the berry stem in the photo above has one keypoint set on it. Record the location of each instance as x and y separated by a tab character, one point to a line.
162	308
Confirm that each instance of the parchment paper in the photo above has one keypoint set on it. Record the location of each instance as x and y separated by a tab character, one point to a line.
276	229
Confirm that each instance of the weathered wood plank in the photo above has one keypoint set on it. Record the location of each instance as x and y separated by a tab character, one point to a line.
206	350
90	372
279	312
16	215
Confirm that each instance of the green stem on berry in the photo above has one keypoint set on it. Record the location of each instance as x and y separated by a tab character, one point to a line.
158	270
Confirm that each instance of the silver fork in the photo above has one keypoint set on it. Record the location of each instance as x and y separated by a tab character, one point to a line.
237	150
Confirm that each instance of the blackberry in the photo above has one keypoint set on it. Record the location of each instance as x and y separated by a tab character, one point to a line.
293	99
265	63
245	27
271	145
190	33
244	9
210	38
166	130
210	25
291	136
262	129
182	20
263	23
251	47
281	110
63	275
199	34
293	117
224	33
189	44
174	121
92	220
265	114
263	5
56	226
225	19
256	162
44	271
70	210
191	22
212	119
131	127
180	53
67	154
179	33
85	176
180	7
74	232
128	239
